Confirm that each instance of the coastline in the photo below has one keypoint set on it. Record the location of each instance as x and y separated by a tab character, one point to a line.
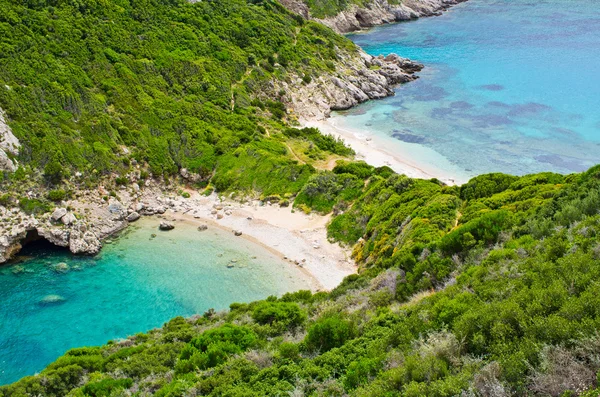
372	150
295	237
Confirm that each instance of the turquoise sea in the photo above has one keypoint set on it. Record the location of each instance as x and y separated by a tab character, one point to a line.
136	283
509	85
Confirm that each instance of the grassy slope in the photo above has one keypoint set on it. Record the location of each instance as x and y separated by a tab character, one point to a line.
488	289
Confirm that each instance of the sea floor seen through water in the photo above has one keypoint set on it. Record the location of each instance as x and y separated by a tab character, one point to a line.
509	86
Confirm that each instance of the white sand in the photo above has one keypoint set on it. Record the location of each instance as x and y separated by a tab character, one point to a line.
299	238
373	150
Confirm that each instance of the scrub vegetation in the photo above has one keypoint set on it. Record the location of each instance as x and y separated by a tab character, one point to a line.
487	289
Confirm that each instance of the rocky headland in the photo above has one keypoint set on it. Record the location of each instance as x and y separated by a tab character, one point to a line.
374	12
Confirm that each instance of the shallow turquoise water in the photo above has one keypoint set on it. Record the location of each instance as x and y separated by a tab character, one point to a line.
135	284
509	85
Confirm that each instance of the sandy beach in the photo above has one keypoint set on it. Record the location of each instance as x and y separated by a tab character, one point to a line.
296	237
376	152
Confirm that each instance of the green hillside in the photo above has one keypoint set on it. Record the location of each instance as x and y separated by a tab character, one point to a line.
94	85
489	289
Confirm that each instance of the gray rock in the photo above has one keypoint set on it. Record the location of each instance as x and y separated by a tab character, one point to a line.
117	209
86	243
166	226
134	216
202	228
68	219
58	214
237	232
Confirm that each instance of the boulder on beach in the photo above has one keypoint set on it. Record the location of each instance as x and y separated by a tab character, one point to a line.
68	219
134	216
58	213
166	226
237	232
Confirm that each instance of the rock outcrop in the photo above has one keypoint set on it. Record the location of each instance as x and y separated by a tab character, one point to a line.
374	12
9	146
359	77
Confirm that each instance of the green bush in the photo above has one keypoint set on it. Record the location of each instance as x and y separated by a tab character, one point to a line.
284	313
57	195
328	333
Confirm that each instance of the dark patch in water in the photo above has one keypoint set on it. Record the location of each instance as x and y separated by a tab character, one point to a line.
461	105
405	136
430	93
491	120
565	133
441	113
492	87
497	104
563	162
528	109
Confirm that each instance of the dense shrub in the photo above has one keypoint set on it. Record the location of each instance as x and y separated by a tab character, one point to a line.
329	332
284	313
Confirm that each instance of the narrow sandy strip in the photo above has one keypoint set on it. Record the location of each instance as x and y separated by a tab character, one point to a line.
296	237
375	154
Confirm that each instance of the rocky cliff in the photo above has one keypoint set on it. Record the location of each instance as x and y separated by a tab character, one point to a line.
375	12
358	78
9	146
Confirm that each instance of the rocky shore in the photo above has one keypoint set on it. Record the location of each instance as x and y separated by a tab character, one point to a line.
358	78
83	223
374	12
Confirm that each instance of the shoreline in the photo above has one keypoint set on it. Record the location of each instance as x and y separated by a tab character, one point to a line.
369	148
294	237
297	238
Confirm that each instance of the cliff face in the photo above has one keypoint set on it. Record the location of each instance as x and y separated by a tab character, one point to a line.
9	145
358	78
376	12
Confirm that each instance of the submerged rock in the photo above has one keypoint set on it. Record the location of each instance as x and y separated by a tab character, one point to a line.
61	267
202	228
166	226
49	299
18	269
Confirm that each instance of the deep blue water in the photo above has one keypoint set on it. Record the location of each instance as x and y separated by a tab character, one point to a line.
135	284
509	85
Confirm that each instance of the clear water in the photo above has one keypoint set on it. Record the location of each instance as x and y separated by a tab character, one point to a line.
135	284
509	85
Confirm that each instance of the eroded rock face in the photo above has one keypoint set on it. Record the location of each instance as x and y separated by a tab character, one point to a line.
9	145
83	241
374	12
359	79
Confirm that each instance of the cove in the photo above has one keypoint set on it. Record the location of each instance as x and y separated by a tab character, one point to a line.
53	301
509	86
